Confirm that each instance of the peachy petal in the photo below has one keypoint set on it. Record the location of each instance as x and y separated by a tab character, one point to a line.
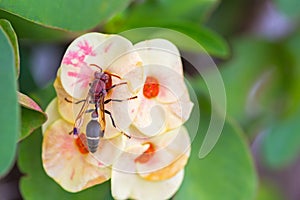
66	106
52	113
126	185
169	154
65	163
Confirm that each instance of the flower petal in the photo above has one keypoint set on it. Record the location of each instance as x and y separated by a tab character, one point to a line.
63	161
123	112
52	113
181	110
172	150
115	56
76	73
113	50
151	117
125	162
109	150
126	185
160	52
66	109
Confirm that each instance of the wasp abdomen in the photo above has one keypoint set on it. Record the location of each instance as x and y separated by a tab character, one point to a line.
93	135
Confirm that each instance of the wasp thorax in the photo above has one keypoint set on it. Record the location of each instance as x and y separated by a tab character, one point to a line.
98	75
105	77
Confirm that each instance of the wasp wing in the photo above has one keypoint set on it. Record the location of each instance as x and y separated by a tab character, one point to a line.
80	116
102	113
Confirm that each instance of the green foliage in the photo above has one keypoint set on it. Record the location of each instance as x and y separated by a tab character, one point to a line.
176	16
256	81
267	191
13	40
227	172
290	7
28	30
73	15
37	185
282	142
9	112
32	115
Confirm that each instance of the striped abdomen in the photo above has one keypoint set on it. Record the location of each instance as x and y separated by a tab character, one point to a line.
93	135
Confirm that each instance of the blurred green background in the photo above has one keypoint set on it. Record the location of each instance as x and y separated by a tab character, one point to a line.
255	45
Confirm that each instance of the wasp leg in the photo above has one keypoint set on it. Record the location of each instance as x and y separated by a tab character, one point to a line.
111	118
113	123
119	100
115	85
77	102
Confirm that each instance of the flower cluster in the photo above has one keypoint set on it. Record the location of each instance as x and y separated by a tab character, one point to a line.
145	146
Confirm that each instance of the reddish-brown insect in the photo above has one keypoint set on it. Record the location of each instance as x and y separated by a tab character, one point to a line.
98	90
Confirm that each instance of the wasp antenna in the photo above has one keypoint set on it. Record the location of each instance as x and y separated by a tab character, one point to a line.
94	65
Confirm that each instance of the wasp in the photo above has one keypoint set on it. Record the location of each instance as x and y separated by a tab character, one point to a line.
98	90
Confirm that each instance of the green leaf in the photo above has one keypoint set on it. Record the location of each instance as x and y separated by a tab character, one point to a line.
44	96
183	17
30	30
9	112
13	40
257	80
192	10
290	7
281	142
74	15
36	185
212	43
226	173
281	145
267	191
32	115
186	36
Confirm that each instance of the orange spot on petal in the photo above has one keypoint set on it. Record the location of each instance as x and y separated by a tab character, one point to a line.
147	155
151	87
